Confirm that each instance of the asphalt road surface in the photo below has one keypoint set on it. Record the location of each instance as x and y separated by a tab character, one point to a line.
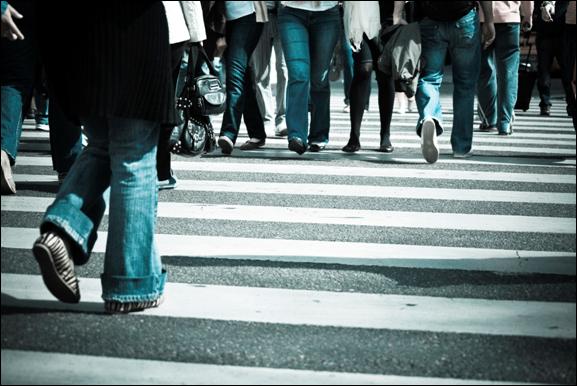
363	268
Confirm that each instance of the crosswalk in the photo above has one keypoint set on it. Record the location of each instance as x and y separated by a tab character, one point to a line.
326	268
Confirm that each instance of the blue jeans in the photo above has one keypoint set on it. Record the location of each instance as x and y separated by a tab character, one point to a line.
498	81
41	100
242	36
462	39
121	154
12	98
308	39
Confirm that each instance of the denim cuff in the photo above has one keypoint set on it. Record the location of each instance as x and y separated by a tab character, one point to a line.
438	125
77	226
132	289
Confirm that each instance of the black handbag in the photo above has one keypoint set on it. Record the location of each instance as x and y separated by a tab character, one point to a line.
206	92
193	137
200	97
527	79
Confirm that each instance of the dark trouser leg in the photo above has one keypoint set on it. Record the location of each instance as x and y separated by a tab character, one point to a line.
163	153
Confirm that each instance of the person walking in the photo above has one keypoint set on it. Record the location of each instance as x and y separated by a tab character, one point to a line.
273	110
450	27
244	24
309	31
185	29
118	84
366	59
498	80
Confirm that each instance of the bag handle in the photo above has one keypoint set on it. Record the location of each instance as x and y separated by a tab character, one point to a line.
202	54
528	42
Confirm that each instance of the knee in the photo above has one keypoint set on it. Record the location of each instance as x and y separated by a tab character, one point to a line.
299	72
364	71
320	81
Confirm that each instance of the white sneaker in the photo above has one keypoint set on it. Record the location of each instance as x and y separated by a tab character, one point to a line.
429	145
401	107
412	105
42	127
225	144
281	131
401	103
8	185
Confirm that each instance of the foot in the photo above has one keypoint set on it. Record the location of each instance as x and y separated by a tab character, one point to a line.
505	132
8	185
252	144
62	177
347	109
53	256
412	105
167	184
281	131
463	155
114	307
545	111
351	148
429	145
386	148
42	127
316	147
485	128
225	144
297	145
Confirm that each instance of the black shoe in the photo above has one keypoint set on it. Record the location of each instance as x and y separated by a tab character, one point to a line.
297	145
315	147
386	148
487	128
248	145
351	148
545	111
508	131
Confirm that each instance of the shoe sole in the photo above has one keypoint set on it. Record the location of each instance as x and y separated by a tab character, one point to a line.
167	187
125	308
386	148
225	146
7	182
429	147
55	284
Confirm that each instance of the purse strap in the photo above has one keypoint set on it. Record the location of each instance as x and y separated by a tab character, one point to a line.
528	43
190	75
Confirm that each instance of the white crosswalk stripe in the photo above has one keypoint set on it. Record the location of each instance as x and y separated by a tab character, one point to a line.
446	278
429	220
353	191
352	310
88	370
349	253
